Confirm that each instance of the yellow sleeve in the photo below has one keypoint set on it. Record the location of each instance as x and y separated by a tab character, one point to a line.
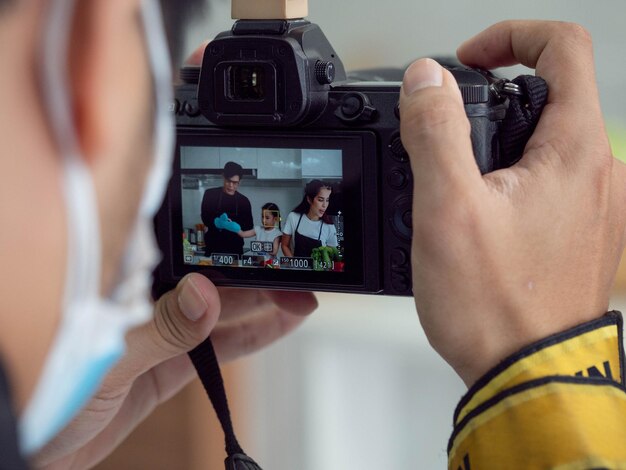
559	403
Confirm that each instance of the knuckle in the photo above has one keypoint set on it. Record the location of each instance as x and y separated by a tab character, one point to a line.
173	334
245	342
601	177
170	333
604	163
574	34
107	400
579	32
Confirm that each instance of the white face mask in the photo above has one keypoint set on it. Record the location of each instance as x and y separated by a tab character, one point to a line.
90	339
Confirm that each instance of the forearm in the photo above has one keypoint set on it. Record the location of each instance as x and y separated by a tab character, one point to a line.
276	246
285	244
246	233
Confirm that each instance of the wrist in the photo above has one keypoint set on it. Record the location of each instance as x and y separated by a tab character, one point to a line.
491	351
591	349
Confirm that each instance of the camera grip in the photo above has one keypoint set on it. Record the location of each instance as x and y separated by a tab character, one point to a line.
484	143
501	143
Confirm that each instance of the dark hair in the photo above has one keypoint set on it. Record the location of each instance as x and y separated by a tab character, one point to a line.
270	206
311	190
233	169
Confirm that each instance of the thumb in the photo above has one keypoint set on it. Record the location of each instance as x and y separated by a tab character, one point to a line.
435	132
183	318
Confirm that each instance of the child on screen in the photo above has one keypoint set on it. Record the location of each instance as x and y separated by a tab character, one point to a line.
270	218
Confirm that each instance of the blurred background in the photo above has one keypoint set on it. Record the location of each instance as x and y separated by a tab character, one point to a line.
358	385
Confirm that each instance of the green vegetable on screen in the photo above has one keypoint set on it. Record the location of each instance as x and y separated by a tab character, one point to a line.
324	256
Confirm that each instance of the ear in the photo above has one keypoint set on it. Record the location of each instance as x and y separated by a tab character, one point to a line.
109	73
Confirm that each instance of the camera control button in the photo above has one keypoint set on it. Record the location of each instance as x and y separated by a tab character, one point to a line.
351	106
400	281
397	149
355	107
399	258
407	219
192	109
402	218
397	179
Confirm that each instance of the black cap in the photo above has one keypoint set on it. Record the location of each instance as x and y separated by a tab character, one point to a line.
231	169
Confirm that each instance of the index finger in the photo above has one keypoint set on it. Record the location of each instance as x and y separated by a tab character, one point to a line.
562	54
248	326
243	302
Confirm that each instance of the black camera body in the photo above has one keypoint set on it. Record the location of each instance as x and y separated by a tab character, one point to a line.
273	97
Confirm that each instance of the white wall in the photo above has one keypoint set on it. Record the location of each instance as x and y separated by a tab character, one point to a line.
356	387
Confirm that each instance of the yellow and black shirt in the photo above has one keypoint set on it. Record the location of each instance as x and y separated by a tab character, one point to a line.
559	404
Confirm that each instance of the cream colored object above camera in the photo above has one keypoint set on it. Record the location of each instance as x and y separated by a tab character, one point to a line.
269	9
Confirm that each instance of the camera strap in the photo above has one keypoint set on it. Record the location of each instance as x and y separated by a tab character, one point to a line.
205	361
522	117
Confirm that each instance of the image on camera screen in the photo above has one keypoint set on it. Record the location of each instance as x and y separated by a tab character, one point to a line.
262	208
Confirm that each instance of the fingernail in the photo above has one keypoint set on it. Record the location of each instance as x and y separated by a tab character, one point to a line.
422	74
191	301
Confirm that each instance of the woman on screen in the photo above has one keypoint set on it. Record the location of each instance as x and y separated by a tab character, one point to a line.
308	226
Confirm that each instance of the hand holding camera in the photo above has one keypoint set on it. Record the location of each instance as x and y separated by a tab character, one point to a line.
511	257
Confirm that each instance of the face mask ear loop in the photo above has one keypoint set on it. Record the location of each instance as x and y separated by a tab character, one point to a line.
82	282
203	356
164	134
84	256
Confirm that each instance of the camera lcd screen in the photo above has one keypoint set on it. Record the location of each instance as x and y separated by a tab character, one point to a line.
269	210
263	208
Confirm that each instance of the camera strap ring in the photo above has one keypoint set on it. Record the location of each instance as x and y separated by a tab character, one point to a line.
522	117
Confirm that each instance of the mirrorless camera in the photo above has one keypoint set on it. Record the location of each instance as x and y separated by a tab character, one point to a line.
271	119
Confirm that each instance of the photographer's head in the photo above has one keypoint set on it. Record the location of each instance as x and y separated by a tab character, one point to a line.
233	172
80	85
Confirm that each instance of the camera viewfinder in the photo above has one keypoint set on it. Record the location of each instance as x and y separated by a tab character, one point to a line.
246	83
